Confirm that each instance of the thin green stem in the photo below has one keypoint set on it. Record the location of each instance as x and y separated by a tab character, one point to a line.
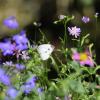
44	37
96	30
65	34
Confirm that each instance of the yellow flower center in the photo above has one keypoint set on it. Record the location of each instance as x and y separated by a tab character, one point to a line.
83	56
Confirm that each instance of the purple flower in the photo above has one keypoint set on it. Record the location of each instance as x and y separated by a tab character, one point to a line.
31	81
20	66
1	72
21	41
20	38
26	88
21	47
11	22
85	19
74	31
29	85
7	48
23	32
4	78
40	90
12	92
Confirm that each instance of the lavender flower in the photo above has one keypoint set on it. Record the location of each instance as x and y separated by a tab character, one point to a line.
4	78
74	31
29	85
11	22
12	92
85	19
20	38
40	90
1	72
26	88
7	48
20	66
21	41
21	47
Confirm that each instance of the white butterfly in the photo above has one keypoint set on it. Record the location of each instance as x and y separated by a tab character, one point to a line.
45	51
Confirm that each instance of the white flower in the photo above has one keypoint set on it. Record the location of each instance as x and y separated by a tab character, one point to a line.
25	55
61	17
8	63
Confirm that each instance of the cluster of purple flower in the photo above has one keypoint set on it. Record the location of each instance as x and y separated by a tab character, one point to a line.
19	43
20	40
17	46
29	85
12	92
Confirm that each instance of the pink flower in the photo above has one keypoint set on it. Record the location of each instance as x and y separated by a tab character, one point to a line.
83	58
74	31
76	56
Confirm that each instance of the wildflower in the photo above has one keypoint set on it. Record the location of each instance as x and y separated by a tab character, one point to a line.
8	63
7	48
12	92
85	19
29	85
20	38
21	47
83	58
27	88
40	90
74	31
24	55
11	22
1	72
4	78
21	41
96	15
20	66
76	56
61	17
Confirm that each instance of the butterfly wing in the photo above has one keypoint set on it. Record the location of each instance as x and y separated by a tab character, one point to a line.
45	50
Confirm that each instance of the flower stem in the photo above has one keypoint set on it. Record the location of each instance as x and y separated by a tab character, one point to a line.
65	34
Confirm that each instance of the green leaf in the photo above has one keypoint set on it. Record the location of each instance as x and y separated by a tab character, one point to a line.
75	65
77	86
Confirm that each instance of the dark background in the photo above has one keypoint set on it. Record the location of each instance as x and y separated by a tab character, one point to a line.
45	12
